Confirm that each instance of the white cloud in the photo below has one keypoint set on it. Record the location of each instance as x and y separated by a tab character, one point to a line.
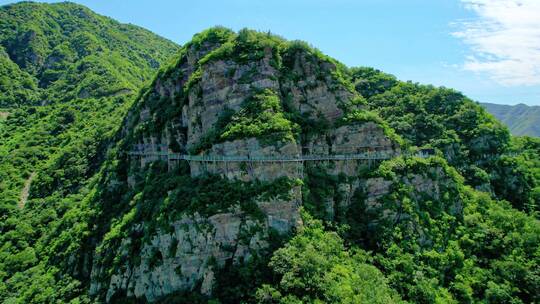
505	40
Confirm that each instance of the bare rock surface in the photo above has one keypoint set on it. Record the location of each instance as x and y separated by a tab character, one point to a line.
185	105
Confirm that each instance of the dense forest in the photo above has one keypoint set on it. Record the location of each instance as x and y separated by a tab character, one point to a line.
82	70
82	221
67	78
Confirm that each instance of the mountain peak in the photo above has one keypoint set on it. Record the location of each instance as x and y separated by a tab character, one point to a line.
56	51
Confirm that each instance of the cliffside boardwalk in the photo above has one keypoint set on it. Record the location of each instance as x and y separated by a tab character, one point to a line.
377	155
160	152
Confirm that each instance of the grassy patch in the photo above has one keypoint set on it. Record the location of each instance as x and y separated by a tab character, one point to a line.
261	117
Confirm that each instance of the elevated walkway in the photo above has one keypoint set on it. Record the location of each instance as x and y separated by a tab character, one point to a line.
376	155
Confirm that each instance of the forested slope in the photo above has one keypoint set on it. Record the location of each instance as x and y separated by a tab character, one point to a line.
67	78
459	226
471	140
59	52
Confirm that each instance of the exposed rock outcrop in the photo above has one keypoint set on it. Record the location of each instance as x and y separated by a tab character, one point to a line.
196	246
187	109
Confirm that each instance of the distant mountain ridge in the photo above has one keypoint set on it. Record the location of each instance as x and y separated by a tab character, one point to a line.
521	119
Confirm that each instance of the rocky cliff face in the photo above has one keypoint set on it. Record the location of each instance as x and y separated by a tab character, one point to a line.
196	246
246	94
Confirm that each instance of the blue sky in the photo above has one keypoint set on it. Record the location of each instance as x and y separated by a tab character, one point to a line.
484	48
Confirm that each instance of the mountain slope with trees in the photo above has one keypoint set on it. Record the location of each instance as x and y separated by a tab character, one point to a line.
59	52
470	139
62	101
101	225
69	77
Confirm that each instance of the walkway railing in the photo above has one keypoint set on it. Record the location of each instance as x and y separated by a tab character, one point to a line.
378	155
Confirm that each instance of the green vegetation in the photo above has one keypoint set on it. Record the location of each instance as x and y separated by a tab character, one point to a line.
435	239
68	136
459	227
260	117
160	197
66	77
471	140
517	175
63	143
370	82
489	256
247	46
315	267
52	53
16	86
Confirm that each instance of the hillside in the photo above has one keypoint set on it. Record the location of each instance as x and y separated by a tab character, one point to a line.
248	169
520	119
67	78
51	53
282	199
